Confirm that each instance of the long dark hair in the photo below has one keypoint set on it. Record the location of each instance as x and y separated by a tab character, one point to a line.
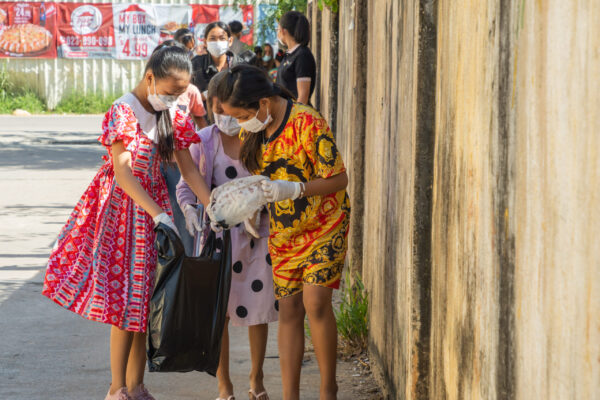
243	87
297	25
162	63
269	65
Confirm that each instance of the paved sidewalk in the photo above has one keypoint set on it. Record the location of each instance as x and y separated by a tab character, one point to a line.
46	162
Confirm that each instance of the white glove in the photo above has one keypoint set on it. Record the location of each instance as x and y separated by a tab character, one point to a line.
216	227
165	219
280	190
192	220
252	224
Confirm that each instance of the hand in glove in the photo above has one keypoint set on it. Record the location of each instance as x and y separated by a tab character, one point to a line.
165	219
252	225
192	221
281	190
216	227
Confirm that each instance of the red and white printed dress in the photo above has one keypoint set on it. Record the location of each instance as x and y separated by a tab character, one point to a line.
103	264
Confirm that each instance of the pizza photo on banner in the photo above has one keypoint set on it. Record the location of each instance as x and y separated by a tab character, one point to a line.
136	30
85	30
28	29
201	17
170	18
244	14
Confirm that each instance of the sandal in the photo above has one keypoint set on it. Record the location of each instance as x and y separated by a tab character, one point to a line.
120	394
141	393
232	397
259	396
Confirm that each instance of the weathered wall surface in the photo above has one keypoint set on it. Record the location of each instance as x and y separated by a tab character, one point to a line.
465	264
555	109
480	178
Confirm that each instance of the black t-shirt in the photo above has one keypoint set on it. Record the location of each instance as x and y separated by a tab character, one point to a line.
204	69
299	64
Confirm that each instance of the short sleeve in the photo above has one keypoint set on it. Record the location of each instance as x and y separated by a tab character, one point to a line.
305	66
120	124
184	131
196	106
319	145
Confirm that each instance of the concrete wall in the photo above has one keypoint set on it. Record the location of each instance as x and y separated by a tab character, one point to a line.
479	176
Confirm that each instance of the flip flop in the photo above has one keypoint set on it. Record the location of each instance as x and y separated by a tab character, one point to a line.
258	396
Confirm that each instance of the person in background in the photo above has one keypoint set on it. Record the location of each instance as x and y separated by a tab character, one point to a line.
104	261
251	299
218	38
186	38
237	46
258	51
298	70
292	145
268	61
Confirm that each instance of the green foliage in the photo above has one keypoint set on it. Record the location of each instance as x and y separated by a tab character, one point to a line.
331	4
13	97
93	103
352	319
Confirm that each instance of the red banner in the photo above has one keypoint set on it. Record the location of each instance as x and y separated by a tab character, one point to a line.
85	30
105	30
201	17
28	29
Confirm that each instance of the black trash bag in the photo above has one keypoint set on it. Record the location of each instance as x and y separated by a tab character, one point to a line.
188	308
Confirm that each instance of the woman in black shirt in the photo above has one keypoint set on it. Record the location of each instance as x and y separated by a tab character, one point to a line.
218	38
298	70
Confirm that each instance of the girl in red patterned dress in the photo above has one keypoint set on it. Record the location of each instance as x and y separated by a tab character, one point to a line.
103	264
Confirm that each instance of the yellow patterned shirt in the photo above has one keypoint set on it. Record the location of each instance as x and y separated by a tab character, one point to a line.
308	235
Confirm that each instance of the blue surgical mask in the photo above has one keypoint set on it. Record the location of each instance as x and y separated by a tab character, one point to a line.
267	58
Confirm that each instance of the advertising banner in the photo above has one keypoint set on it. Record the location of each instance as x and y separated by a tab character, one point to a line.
85	30
106	30
28	29
170	18
201	17
136	30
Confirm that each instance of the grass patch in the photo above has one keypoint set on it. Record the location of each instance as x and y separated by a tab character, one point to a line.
13	97
92	103
352	322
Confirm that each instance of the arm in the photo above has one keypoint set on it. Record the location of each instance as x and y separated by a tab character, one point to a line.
200	121
184	194
190	173
303	85
325	186
128	182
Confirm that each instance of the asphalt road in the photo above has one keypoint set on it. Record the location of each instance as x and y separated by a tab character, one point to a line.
46	352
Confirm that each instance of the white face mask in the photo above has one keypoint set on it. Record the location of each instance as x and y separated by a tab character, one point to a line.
161	102
255	125
217	49
227	124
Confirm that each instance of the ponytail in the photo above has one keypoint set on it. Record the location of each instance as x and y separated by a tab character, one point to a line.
297	25
244	86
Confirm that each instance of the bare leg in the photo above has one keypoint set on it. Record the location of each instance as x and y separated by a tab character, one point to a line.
317	302
257	335
291	344
225	384
137	361
120	346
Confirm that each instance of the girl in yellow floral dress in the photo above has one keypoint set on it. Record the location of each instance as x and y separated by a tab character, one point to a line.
292	145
